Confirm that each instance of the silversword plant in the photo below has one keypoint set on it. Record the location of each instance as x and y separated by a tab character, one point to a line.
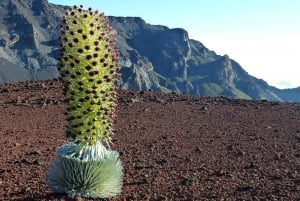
89	65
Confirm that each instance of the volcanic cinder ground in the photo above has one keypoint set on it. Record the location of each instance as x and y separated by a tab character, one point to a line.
172	147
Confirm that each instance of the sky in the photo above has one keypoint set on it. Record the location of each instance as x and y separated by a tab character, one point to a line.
263	36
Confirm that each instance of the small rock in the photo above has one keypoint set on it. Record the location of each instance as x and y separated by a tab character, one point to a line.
244	188
43	86
159	100
135	100
219	173
37	162
162	198
5	90
279	156
161	161
35	152
153	166
25	161
123	152
241	153
190	181
148	180
17	144
18	100
204	108
49	101
198	149
252	165
28	189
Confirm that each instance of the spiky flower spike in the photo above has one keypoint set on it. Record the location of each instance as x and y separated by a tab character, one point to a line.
89	66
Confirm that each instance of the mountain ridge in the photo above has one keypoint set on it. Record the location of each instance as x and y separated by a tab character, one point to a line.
152	56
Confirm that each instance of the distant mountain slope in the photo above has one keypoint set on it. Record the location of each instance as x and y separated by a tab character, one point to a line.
11	72
152	56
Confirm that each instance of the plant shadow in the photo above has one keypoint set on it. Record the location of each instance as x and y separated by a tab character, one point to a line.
51	196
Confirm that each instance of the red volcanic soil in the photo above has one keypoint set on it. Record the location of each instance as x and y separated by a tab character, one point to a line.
173	147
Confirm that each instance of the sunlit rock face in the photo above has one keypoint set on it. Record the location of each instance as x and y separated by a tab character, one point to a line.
152	56
29	37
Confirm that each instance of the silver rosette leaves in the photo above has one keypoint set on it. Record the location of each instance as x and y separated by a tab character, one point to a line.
92	171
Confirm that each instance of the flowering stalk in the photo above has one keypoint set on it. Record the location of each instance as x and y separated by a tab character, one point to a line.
89	67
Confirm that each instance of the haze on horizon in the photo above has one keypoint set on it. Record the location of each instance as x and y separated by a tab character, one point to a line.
263	36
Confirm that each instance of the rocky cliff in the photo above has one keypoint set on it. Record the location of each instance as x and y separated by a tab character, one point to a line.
152	57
